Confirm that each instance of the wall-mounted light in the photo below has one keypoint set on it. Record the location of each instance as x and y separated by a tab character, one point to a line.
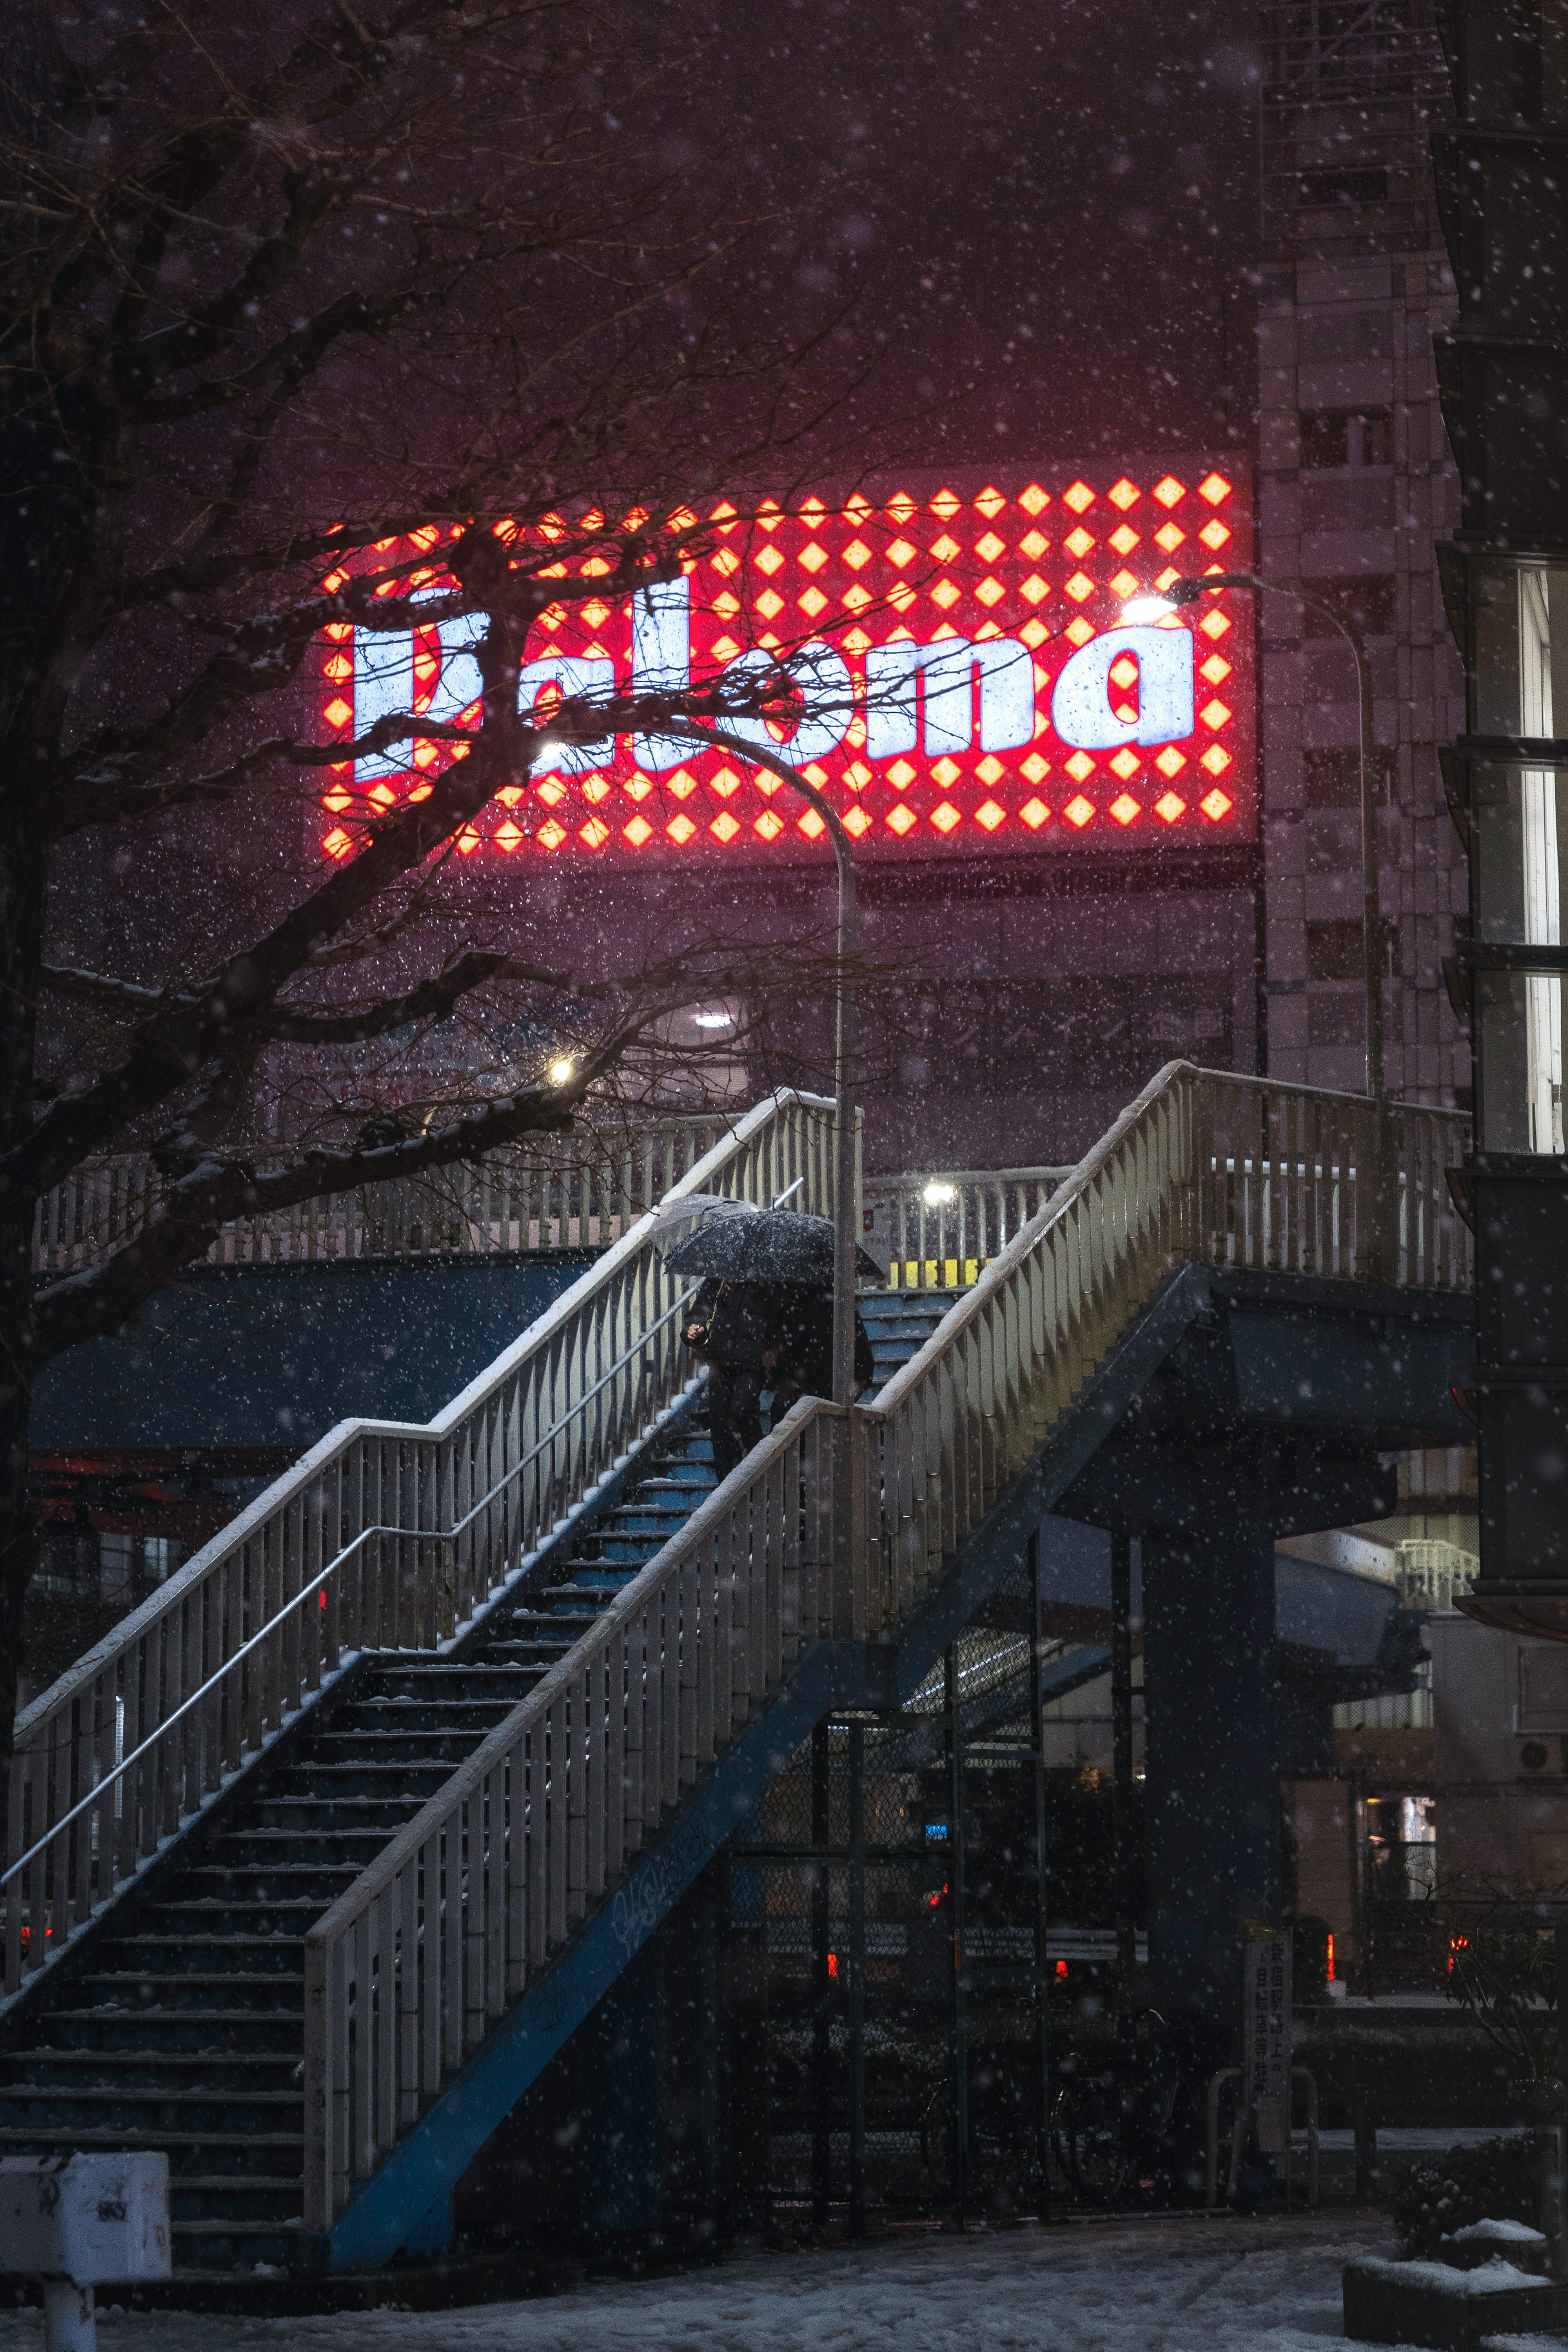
938	1196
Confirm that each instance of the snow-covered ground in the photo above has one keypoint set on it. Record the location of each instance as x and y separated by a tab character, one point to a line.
1183	2286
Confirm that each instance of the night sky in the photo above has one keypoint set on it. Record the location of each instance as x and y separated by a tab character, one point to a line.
1047	218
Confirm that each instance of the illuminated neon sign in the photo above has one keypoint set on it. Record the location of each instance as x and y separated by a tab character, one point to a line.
968	686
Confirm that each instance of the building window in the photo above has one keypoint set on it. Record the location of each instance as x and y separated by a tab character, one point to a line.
1367	186
1347	436
1334	948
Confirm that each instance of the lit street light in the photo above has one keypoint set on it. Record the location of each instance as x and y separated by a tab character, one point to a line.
1154	607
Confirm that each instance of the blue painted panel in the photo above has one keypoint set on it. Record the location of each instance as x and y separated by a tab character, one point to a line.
1320	1370
243	1356
441	2146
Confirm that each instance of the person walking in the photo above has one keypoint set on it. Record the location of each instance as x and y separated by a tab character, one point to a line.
738	1327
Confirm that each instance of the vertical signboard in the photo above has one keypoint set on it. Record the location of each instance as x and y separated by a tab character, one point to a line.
1267	2054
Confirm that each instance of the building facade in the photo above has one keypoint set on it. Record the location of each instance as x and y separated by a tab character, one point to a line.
1356	481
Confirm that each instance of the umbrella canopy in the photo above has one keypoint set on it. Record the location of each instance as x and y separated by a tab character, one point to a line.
774	1245
676	1221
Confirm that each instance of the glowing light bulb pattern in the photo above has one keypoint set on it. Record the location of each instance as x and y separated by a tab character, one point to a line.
969	688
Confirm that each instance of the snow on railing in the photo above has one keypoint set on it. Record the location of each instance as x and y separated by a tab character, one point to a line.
837	1525
545	1193
402	1532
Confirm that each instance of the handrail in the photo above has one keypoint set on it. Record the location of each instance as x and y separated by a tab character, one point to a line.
415	1534
541	1188
837	1525
211	1665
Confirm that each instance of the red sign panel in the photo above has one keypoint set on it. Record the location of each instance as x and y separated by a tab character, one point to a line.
971	688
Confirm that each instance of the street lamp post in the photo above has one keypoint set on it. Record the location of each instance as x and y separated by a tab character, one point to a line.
846	1241
1187	592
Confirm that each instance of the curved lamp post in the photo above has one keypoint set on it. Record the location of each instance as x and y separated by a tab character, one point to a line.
845	1239
1187	592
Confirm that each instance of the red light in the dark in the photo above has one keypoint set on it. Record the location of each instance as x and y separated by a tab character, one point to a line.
1328	1964
832	1964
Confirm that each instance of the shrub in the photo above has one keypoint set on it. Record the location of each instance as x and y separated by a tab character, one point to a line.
1435	2195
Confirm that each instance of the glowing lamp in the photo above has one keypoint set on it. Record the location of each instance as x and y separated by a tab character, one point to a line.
938	1195
562	1070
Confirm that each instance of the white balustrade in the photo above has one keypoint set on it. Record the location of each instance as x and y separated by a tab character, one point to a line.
384	1537
544	1193
839	1524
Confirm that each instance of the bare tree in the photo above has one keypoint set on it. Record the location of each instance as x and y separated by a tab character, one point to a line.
321	319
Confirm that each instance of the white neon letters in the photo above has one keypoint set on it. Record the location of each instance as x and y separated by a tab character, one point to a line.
938	699
1081	708
947	668
572	680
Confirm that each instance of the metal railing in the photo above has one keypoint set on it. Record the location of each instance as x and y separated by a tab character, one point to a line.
837	1525
938	1230
402	1532
548	1192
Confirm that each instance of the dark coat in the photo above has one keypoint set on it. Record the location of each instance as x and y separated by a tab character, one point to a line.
744	1322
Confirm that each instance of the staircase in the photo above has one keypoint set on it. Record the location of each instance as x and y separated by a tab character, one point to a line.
328	1851
181	2026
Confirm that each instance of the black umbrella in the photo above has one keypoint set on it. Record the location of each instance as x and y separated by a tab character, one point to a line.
777	1245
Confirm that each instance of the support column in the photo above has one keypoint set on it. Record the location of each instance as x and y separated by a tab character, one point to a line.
821	1986
1211	1785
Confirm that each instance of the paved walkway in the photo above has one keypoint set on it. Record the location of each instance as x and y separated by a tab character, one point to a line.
1198	2285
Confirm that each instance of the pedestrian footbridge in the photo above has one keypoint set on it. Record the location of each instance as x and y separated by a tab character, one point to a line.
316	1861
